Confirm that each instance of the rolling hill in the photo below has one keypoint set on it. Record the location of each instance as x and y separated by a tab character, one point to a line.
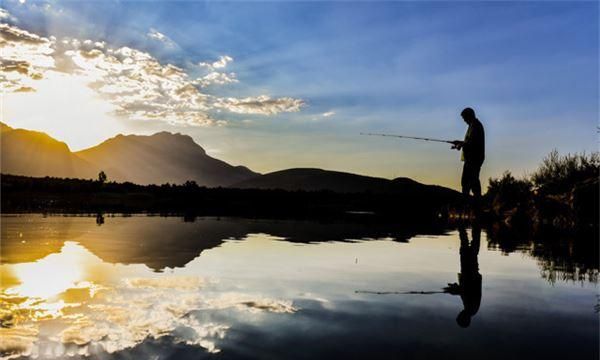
309	179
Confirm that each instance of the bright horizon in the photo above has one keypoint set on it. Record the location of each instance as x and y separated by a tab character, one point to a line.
283	85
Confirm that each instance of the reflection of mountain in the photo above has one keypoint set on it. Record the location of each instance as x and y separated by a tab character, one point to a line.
162	158
317	179
161	242
159	158
28	238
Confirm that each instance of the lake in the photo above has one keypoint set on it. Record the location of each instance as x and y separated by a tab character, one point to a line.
151	287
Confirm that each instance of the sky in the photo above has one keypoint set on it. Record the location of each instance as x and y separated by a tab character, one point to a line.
276	85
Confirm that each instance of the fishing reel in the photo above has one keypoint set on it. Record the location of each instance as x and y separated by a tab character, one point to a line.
457	144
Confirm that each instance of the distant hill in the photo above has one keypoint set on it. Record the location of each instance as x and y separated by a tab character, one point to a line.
308	179
156	159
35	153
161	158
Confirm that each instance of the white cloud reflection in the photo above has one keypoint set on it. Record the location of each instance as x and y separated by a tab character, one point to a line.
106	308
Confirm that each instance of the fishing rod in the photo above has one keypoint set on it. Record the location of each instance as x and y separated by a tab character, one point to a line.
398	292
410	137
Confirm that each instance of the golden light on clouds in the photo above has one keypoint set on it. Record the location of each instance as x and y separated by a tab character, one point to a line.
82	90
66	108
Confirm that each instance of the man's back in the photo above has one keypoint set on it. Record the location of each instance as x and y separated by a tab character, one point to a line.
474	145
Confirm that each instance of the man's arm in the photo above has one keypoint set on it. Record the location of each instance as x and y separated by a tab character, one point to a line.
453	289
457	144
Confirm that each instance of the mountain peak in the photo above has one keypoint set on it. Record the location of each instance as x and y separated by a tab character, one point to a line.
160	158
174	136
4	127
163	139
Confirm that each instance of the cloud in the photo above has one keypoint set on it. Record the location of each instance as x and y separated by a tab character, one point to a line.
6	16
328	114
262	104
219	64
216	78
158	36
25	89
25	56
133	81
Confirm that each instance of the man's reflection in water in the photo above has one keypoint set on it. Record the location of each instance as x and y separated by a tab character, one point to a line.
469	279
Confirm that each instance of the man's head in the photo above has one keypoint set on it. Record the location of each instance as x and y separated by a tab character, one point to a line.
468	115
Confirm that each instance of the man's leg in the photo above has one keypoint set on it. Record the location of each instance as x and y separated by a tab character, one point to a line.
465	180
476	187
465	183
475	184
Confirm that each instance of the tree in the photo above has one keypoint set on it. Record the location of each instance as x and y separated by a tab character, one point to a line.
102	177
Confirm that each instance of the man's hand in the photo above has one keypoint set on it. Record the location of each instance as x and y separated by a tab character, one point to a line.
457	144
453	289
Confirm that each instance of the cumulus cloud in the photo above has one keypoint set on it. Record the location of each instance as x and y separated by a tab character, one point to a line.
216	78
262	104
25	89
24	58
214	75
219	64
328	114
136	83
158	36
6	16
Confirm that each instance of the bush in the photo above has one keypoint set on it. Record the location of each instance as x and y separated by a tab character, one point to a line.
507	193
560	174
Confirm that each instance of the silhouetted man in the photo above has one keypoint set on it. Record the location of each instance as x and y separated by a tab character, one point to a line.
473	154
469	279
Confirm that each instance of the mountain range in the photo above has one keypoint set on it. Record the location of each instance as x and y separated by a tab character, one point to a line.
156	159
175	158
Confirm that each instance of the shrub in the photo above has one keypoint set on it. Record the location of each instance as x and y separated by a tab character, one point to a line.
559	174
507	192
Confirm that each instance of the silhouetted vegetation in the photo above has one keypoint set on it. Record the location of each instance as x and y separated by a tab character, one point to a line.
28	194
562	193
102	177
559	174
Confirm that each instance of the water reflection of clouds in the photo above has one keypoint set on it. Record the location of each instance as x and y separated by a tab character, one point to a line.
236	296
91	311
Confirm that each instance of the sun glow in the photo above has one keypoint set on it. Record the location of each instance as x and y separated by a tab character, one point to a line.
51	275
65	107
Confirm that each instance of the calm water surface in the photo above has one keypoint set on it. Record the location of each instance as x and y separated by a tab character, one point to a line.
145	287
